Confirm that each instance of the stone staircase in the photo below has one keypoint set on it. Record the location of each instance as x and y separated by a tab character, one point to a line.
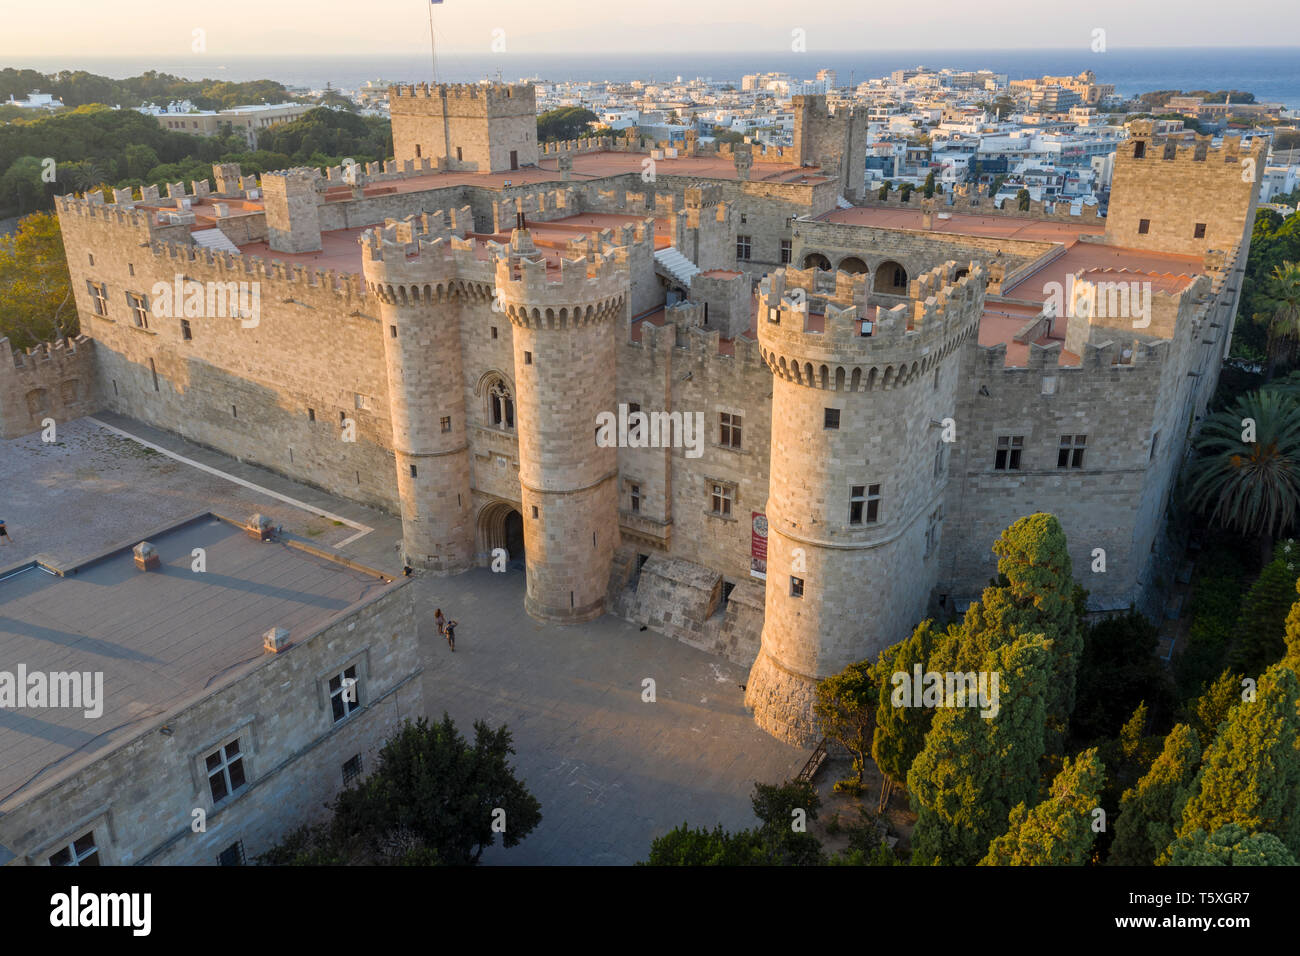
672	264
214	239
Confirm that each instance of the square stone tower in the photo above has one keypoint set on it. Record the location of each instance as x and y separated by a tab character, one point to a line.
471	127
835	141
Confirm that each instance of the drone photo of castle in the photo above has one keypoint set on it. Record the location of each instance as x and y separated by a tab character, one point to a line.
725	429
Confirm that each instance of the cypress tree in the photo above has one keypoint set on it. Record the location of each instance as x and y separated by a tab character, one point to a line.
1058	831
900	732
1230	845
1150	812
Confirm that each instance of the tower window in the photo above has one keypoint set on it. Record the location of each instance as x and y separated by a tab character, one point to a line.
728	430
635	493
187	334
1199	231
534	511
785	252
445	423
1139	149
831	419
720	499
864	504
494	331
528	358
311	414
744	247
1007	457
1144	226
413	472
501	405
1070	452
392	331
796	587
98	297
139	307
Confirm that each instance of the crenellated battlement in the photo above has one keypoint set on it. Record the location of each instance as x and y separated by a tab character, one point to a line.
580	292
53	380
1108	355
541	205
487	97
185	258
1144	146
800	327
95	208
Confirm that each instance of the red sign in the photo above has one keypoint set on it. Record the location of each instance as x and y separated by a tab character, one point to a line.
758	545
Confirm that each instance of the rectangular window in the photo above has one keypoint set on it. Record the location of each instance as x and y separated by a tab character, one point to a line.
1144	226
413	474
232	855
796	586
831	419
130	268
1139	149
1008	453
528	358
392	331
92	258
720	500
864	504
1070	452
1199	231
234	412
311	414
153	370
98	297
344	698
494	331
744	244
225	768
187	334
351	769
786	252
445	423
633	430
1155	440
635	491
534	511
82	851
139	307
728	430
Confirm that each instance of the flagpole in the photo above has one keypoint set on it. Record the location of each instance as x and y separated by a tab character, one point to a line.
433	45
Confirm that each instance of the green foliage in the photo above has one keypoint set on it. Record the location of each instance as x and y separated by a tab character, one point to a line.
330	134
1218	586
36	303
1260	638
884	190
1293	632
1118	669
1150	812
899	734
1058	831
1022	200
79	88
905	192
434	796
774	842
1251	772
929	185
845	709
1279	301
1230	845
1252	487
1211	708
567	122
1274	242
973	770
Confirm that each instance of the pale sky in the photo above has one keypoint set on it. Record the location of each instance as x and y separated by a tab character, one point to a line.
321	27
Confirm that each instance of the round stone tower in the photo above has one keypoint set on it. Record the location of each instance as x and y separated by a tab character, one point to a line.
565	322
859	397
420	303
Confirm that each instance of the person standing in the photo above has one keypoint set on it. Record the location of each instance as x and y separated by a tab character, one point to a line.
441	621
451	635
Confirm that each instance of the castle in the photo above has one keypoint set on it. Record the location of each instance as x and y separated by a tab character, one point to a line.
884	386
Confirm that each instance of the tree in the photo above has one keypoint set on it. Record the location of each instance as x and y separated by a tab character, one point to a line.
845	709
1230	845
1251	772
563	123
974	769
1247	473
884	190
1260	638
775	842
1293	632
1280	299
899	734
21	187
905	193
433	794
929	185
1023	200
36	302
1150	812
1118	669
1212	707
1058	831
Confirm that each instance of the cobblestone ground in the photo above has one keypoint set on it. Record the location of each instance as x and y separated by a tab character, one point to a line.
611	770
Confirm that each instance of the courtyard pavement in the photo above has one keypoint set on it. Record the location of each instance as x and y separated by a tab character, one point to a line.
611	770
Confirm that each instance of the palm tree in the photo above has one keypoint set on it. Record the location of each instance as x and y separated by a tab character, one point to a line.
1281	297
1252	487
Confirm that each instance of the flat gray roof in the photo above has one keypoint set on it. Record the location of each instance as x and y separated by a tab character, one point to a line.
162	638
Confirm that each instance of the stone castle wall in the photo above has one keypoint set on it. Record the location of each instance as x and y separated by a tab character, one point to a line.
49	381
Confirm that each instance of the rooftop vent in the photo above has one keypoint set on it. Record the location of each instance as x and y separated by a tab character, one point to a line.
275	640
146	556
259	527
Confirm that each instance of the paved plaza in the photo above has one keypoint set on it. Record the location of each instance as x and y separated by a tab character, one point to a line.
611	770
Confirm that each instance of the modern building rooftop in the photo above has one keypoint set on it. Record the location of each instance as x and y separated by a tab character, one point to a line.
162	638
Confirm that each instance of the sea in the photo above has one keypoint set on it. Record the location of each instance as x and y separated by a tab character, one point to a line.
1271	73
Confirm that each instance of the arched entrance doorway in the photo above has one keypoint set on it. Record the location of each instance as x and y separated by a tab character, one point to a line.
500	525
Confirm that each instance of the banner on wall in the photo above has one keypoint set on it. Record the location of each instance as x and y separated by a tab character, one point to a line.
758	545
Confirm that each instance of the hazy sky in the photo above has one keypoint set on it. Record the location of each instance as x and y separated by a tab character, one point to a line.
306	27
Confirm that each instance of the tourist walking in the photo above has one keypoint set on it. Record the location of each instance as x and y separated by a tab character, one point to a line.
441	621
450	628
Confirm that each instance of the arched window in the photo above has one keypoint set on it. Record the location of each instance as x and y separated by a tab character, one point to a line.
501	405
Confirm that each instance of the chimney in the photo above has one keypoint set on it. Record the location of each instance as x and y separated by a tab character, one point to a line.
275	640
146	557
259	527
